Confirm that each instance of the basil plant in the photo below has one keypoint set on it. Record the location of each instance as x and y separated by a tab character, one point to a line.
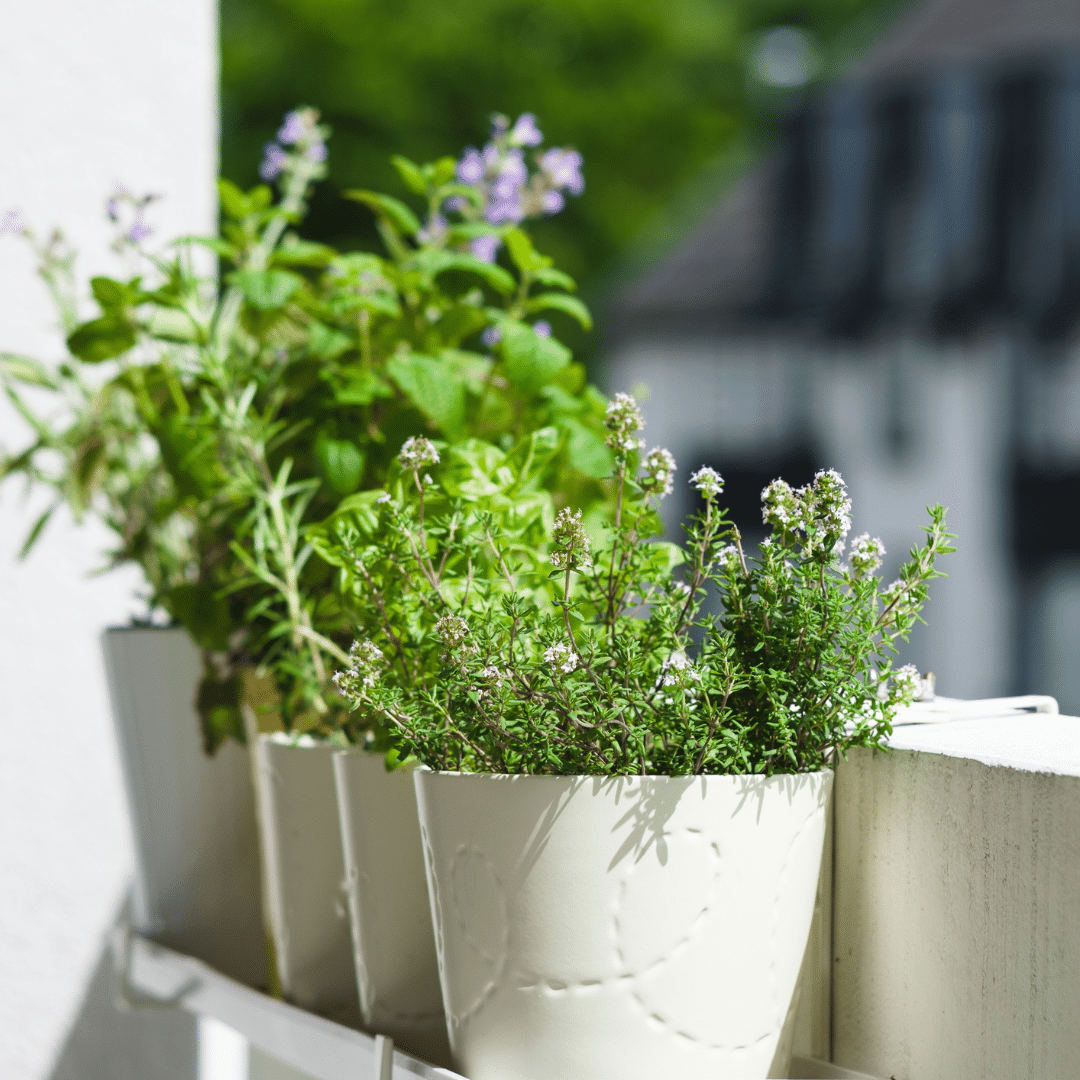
210	418
496	637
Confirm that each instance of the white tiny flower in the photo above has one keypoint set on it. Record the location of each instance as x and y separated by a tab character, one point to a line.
384	497
418	452
866	554
561	657
907	683
708	481
570	541
623	420
659	466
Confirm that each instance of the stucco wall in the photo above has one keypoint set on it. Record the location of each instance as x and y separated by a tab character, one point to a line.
95	94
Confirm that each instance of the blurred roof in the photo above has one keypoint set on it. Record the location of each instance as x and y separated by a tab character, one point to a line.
947	30
741	264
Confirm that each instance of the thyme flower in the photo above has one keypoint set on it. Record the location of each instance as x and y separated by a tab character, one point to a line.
623	420
708	481
562	658
417	452
659	466
865	554
570	541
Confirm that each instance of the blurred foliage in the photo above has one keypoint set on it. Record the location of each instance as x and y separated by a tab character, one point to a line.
651	93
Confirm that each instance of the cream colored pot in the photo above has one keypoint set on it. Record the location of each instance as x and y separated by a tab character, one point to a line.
396	968
633	928
303	873
193	816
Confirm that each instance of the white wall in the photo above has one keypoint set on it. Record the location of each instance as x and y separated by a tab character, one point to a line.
94	94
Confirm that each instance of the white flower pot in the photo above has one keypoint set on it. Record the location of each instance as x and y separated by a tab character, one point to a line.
193	817
633	928
396	967
303	873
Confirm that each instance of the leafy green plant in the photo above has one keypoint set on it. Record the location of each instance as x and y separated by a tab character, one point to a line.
475	658
209	424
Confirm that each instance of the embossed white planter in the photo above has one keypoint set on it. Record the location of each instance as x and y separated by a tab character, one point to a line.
634	928
396	968
304	873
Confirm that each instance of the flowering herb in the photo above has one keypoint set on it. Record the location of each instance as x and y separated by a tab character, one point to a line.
224	418
613	664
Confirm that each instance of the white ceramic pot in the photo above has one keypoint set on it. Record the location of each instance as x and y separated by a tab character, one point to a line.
193	817
303	873
634	928
396	968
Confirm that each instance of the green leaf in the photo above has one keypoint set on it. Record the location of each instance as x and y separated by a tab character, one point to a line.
101	339
203	613
526	257
555	279
168	324
571	305
112	295
411	174
35	532
531	361
434	387
266	289
363	387
341	463
296	252
587	451
326	343
438	262
234	202
26	370
394	212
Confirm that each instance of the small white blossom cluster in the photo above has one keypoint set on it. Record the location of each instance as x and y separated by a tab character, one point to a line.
679	671
820	510
570	541
418	452
659	466
708	481
728	555
493	674
365	658
561	657
623	420
907	684
865	554
452	630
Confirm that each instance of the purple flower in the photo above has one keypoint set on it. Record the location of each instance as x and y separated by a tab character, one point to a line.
501	210
139	230
485	248
499	124
470	169
542	328
563	169
294	128
491	336
12	222
455	203
525	132
552	201
513	174
274	161
316	152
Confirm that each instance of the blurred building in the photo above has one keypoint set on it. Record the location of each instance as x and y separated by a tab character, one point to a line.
895	293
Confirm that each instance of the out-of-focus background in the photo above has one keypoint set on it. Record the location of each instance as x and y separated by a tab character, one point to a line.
816	232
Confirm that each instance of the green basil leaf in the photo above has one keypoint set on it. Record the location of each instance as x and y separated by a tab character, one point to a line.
435	387
394	212
411	174
266	289
101	339
571	305
532	361
341	463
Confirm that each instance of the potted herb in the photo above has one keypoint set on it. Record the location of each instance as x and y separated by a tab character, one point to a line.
623	799
209	425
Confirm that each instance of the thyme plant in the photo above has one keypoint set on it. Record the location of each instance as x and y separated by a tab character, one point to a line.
208	421
610	663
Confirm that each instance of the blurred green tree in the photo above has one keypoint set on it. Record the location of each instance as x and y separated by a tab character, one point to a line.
655	93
